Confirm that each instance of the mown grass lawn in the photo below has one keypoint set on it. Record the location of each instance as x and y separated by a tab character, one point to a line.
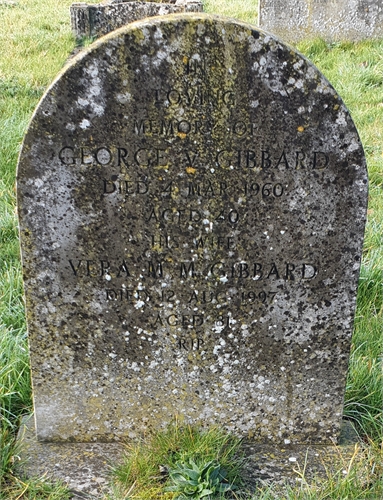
35	40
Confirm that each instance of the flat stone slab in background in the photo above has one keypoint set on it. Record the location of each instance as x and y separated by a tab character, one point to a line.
95	20
332	20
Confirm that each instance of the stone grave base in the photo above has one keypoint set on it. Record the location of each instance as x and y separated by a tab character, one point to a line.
296	463
85	467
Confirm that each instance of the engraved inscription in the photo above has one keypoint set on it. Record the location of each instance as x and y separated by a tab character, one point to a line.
190	344
189	269
261	159
195	96
168	220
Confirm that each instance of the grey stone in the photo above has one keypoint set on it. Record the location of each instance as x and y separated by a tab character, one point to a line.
86	467
192	197
95	20
332	20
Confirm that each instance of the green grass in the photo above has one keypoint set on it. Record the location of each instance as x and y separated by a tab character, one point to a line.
140	472
356	72
353	480
244	10
36	40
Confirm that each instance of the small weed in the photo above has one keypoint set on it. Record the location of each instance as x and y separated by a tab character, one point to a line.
150	463
194	481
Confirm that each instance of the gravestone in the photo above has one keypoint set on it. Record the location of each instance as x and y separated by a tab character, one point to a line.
332	20
192	198
95	20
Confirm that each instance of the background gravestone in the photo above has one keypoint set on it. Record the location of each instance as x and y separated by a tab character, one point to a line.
95	20
332	20
192	199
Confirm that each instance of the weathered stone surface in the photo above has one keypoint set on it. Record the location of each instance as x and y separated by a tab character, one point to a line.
332	20
192	199
95	20
85	467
